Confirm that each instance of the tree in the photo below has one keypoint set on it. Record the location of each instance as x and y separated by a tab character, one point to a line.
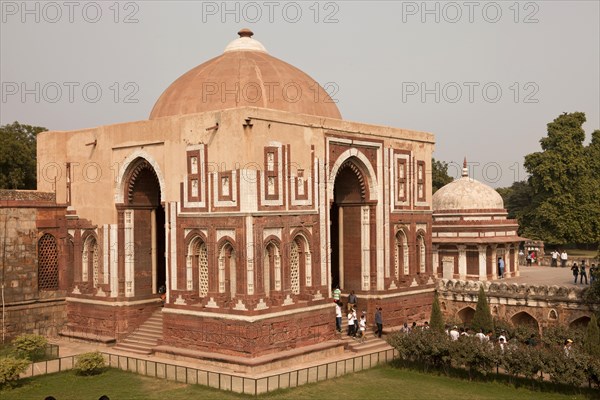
18	156
517	198
439	174
436	320
591	342
482	319
563	208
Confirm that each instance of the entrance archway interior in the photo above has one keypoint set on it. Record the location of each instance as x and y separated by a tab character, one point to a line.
349	196
149	233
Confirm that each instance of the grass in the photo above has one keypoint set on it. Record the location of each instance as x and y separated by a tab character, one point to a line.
378	383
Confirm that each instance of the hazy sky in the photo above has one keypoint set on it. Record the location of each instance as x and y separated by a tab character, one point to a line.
484	77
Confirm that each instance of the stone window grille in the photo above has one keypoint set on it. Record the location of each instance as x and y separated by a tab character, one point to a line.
422	253
295	268
47	263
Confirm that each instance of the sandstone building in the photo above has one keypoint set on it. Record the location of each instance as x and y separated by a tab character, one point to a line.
248	197
471	232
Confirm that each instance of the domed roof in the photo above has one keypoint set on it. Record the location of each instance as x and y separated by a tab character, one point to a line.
245	75
467	194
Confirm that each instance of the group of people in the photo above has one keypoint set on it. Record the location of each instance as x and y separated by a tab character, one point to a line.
579	271
357	327
556	255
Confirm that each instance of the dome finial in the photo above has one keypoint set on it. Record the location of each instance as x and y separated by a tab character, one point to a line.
465	171
245	32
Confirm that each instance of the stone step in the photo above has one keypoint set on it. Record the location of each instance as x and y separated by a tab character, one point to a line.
141	341
369	345
132	348
150	330
145	337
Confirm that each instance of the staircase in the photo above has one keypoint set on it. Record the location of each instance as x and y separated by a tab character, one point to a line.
371	344
145	337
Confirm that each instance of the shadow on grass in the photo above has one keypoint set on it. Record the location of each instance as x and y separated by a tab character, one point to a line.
537	385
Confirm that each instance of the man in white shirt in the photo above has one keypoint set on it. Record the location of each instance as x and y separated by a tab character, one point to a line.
555	256
563	259
454	334
481	336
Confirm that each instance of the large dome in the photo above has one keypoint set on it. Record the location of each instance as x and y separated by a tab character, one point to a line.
466	194
245	75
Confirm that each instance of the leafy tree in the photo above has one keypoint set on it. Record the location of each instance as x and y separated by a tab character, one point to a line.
482	319
517	198
563	208
591	342
18	156
593	157
436	320
439	174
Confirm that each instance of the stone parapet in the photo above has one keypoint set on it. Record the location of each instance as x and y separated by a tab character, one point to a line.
510	290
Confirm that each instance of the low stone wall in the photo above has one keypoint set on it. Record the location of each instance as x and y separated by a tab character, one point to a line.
545	305
41	317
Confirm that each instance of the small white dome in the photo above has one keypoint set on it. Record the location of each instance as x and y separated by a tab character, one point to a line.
245	43
467	194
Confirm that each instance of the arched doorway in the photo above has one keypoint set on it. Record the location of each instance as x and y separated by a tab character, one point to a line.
466	315
144	221
524	318
348	237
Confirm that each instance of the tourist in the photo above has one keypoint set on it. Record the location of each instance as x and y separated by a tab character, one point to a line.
426	326
592	274
338	316
502	341
454	334
529	258
350	324
363	327
582	273
336	294
501	267
575	270
555	256
379	322
352	301
531	341
480	335
405	328
563	259
355	318
567	347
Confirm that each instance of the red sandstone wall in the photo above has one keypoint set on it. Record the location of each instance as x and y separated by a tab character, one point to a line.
106	320
249	339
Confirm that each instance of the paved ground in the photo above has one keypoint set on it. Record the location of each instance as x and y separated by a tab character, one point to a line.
546	276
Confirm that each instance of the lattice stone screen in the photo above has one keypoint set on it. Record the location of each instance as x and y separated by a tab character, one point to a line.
47	263
203	269
295	268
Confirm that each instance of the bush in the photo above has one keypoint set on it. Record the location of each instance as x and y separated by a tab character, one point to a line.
555	336
474	355
519	360
30	346
425	347
10	369
90	364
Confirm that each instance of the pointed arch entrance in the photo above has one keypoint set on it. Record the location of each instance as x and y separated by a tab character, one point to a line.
351	236
144	234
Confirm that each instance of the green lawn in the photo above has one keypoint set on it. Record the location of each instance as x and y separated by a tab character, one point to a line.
377	383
